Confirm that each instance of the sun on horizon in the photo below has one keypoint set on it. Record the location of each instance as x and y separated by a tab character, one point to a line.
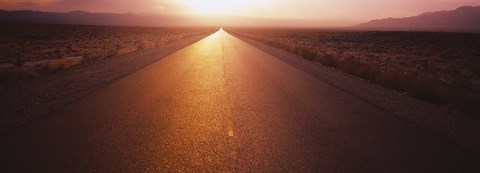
220	7
331	13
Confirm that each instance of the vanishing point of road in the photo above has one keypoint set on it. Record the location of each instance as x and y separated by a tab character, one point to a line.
222	105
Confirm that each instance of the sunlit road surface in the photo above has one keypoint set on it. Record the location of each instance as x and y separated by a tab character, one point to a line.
223	105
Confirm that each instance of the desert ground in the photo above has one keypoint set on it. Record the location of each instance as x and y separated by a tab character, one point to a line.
44	67
32	49
438	67
225	103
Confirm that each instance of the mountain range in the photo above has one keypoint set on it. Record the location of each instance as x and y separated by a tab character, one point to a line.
461	19
86	18
465	18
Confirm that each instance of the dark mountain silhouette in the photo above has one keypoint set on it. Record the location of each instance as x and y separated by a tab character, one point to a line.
86	18
462	19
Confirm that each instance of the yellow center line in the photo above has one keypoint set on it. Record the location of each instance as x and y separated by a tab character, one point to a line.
228	100
229	117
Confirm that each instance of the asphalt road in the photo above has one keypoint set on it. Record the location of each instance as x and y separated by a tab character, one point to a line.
223	105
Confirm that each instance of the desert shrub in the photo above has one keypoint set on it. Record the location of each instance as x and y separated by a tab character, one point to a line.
465	97
392	79
327	59
306	53
349	65
295	50
19	63
42	68
471	105
8	74
281	46
368	71
460	85
54	66
425	90
415	86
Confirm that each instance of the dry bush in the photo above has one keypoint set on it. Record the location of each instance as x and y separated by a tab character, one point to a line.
305	52
8	74
470	104
368	71
392	79
349	64
327	60
425	89
463	96
55	65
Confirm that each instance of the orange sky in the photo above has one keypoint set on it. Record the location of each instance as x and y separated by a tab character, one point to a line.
338	12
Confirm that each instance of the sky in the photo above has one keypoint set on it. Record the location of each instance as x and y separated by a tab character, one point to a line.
340	12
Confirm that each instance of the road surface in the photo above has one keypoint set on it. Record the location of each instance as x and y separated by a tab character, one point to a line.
223	105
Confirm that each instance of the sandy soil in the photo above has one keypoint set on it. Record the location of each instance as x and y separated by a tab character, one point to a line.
24	100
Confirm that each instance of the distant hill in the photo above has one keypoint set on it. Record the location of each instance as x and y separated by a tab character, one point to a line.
87	18
461	19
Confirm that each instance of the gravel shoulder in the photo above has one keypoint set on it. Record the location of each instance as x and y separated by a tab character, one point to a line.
24	100
442	121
